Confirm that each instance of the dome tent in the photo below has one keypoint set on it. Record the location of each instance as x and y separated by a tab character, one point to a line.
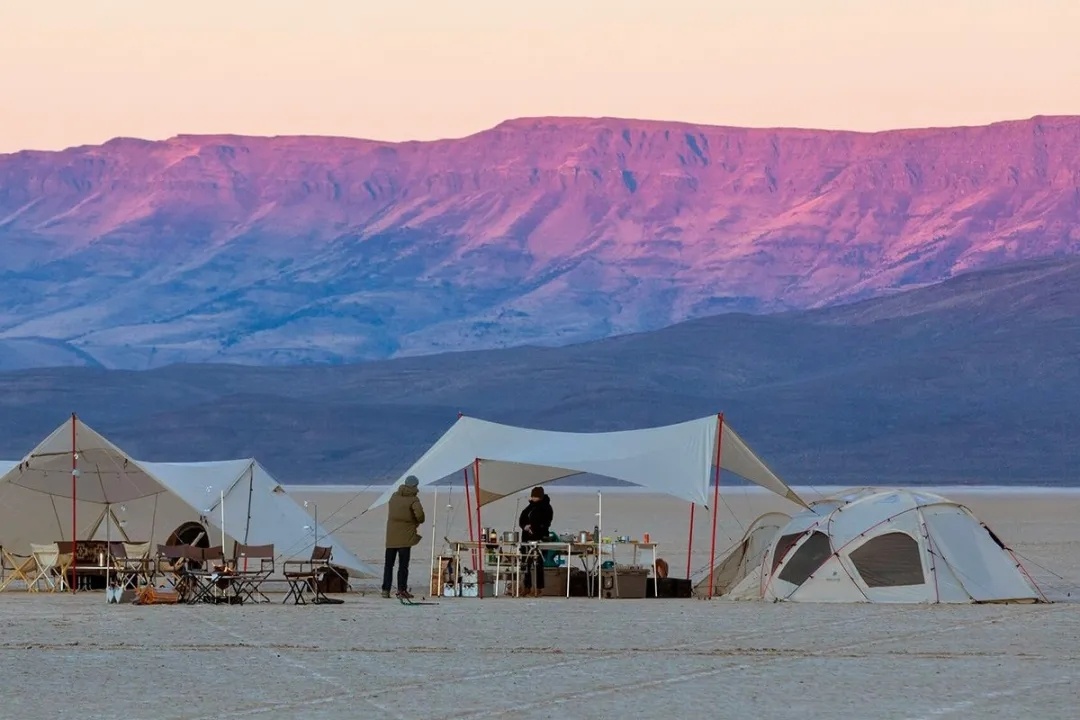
892	546
745	557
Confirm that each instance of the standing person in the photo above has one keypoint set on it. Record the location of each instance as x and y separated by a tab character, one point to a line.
535	523
404	517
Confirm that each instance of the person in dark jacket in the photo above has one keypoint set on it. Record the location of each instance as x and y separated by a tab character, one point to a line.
404	517
535	523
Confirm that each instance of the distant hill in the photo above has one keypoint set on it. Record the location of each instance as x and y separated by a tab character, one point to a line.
975	380
294	250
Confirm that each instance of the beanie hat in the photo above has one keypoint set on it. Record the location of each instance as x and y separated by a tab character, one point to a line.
537	492
411	481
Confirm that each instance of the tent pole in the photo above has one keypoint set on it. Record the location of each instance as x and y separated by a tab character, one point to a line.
468	514
108	550
434	524
690	541
479	530
716	499
74	527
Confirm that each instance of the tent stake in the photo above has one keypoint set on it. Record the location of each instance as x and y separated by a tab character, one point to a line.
479	530
689	542
716	498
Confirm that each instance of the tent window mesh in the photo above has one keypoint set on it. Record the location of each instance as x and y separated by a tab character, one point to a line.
783	546
810	556
889	560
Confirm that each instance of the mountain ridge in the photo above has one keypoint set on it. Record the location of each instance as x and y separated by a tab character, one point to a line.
301	249
974	394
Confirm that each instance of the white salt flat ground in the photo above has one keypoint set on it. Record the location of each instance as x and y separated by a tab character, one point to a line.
74	657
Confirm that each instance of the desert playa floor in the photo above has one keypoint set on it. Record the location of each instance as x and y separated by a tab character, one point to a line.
69	656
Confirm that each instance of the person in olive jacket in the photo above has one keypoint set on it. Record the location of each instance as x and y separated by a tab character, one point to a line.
404	517
535	523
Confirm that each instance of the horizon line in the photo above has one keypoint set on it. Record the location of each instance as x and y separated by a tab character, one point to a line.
547	118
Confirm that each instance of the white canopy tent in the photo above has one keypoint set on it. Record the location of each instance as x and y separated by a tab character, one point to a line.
680	460
76	478
677	460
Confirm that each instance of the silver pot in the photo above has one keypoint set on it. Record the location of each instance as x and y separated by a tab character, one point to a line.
511	536
584	536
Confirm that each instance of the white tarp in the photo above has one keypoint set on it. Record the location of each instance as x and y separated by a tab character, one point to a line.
144	501
675	460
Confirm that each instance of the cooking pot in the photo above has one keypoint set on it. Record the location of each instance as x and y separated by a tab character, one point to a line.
511	536
584	536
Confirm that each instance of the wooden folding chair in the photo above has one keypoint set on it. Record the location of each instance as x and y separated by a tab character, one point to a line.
249	576
305	578
17	568
132	563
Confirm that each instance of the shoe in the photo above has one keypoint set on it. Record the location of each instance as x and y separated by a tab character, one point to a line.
404	595
386	593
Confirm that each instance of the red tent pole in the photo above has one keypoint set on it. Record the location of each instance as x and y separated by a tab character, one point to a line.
468	508
690	541
74	530
479	530
468	513
716	498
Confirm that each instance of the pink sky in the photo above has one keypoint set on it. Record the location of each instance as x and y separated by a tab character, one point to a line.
83	71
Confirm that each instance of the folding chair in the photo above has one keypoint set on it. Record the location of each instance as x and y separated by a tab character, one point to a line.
48	567
206	576
20	567
306	578
132	563
175	561
249	577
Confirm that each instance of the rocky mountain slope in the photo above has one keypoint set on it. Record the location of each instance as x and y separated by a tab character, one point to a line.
135	254
975	380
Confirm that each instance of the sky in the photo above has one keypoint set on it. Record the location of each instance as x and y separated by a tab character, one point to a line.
83	71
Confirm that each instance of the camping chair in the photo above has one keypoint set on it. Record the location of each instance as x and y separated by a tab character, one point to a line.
248	577
21	567
209	575
132	563
305	578
47	560
174	561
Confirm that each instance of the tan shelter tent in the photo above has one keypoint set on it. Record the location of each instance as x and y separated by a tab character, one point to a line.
78	478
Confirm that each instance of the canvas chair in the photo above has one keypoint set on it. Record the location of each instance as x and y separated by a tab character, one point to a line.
249	578
305	577
176	562
133	565
214	574
17	568
49	566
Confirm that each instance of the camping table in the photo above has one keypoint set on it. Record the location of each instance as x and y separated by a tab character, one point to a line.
584	551
508	558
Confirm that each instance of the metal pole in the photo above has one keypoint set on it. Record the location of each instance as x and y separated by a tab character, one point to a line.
479	531
74	525
690	541
716	499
